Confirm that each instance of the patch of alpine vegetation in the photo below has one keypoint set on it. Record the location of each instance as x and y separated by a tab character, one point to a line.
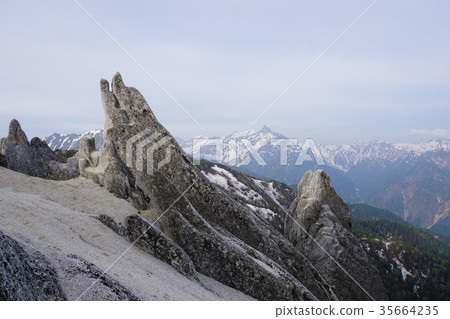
414	264
407	272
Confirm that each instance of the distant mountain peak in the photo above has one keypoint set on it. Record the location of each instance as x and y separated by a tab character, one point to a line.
265	129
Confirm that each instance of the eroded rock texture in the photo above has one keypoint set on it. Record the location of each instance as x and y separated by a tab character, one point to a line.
319	226
25	276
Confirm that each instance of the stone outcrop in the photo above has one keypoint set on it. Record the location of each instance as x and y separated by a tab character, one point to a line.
33	158
319	225
147	236
30	275
76	271
225	240
25	276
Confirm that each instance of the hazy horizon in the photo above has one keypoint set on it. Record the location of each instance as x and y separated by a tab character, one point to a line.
225	62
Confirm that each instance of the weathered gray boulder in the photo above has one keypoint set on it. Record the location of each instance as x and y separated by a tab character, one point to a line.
320	226
33	158
62	171
25	276
141	161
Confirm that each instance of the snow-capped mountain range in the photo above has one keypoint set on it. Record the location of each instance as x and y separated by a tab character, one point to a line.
234	148
344	157
412	180
72	141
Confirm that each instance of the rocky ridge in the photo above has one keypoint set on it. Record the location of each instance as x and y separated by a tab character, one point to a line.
206	223
193	225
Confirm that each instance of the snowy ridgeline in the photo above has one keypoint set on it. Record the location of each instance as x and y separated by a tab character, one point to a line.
72	141
254	199
341	157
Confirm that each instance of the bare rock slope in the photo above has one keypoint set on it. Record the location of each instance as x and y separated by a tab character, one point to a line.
52	238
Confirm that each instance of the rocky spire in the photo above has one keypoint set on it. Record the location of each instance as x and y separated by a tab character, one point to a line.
17	154
16	136
225	240
315	187
265	129
319	225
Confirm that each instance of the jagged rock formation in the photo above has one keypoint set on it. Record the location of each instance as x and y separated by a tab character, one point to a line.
33	158
23	156
193	225
24	276
319	220
224	239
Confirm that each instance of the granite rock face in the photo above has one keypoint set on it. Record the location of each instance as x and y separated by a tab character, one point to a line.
33	158
319	225
225	240
75	271
25	276
147	236
191	224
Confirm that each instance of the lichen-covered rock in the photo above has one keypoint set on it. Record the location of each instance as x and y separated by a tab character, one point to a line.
319	224
141	161
26	276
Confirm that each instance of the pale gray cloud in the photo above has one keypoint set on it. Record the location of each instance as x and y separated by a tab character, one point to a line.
226	61
436	133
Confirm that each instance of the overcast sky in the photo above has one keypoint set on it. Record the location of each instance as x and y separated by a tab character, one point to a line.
225	62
